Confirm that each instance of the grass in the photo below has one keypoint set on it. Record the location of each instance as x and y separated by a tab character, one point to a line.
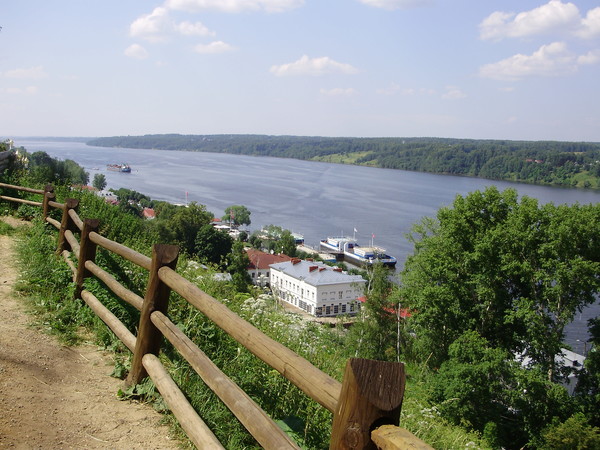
6	229
342	158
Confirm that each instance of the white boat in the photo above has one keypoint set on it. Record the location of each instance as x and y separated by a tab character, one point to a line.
348	248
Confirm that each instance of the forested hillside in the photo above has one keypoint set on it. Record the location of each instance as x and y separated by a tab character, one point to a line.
575	164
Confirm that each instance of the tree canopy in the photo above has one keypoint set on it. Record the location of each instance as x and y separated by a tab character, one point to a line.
237	215
513	271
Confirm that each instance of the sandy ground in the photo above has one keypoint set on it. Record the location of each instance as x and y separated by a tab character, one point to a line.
58	397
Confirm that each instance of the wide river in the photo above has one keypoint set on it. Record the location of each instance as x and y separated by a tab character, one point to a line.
311	198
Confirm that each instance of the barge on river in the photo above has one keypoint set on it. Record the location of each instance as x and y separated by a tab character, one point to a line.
119	168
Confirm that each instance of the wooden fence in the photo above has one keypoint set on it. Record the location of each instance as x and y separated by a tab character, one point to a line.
365	406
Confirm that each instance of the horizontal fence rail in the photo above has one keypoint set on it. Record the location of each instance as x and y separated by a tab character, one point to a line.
371	392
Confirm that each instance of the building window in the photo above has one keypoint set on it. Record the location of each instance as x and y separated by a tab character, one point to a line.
327	310
343	309
340	294
335	309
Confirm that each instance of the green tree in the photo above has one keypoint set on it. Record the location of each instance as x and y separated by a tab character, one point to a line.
212	245
180	225
287	244
375	334
238	267
587	392
573	434
99	181
512	271
237	215
471	388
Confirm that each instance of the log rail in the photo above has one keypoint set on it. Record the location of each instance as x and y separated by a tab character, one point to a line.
366	405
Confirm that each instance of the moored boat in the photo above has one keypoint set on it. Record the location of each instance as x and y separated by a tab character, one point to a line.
348	249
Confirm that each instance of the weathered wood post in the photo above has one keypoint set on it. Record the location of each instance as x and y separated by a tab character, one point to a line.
372	393
48	195
156	299
87	252
66	223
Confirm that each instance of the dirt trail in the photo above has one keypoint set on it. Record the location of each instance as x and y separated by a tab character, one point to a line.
52	396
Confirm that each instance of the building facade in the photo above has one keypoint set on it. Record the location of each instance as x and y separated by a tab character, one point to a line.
259	268
316	288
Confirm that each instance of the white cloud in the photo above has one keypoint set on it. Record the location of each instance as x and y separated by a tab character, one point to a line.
549	60
589	58
29	90
312	66
233	6
153	26
395	4
453	93
338	92
393	89
136	51
590	26
194	29
213	48
32	73
396	89
158	26
554	16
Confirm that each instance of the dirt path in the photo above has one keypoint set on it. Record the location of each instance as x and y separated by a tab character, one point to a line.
53	396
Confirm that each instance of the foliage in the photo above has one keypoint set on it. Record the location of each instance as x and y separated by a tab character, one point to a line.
42	168
180	225
541	162
6	229
376	332
512	271
99	181
238	267
587	392
573	434
237	215
212	246
129	195
287	244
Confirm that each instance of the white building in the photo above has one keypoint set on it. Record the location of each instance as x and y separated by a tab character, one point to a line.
318	289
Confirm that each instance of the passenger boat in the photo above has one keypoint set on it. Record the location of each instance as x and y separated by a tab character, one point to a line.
348	249
119	168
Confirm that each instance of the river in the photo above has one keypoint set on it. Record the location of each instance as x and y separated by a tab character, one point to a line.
311	198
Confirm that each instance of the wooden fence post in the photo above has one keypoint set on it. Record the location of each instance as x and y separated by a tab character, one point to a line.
48	195
156	299
87	252
66	224
372	393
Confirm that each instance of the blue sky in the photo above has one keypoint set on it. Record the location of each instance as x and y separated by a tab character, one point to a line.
470	69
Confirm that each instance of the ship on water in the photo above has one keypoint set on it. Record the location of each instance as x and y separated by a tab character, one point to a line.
119	168
349	249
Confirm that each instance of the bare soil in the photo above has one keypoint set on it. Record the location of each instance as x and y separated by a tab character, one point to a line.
52	396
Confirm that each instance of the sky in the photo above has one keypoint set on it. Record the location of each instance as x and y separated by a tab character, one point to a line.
511	69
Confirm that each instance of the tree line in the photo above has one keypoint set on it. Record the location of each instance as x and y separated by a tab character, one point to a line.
574	164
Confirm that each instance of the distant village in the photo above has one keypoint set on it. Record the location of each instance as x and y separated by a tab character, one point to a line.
309	286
